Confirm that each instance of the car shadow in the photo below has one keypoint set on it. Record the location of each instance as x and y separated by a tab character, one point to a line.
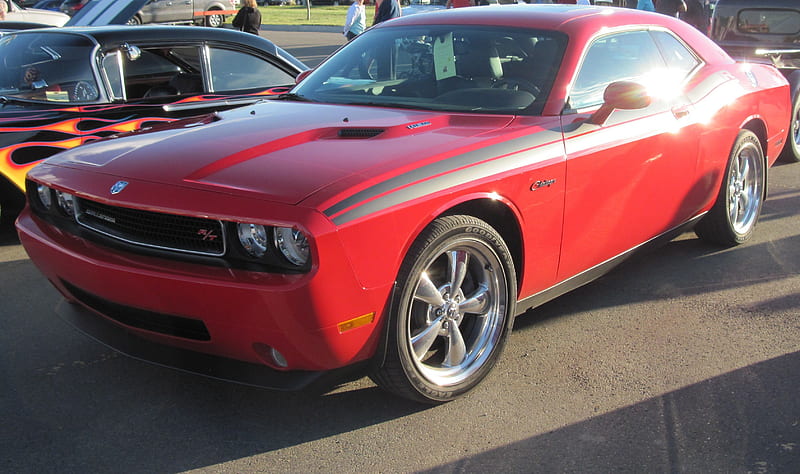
746	420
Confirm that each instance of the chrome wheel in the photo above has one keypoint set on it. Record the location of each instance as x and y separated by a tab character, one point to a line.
457	313
214	21
794	131
791	149
454	306
735	213
745	188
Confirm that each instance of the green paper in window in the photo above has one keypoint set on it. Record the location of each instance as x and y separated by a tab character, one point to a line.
444	57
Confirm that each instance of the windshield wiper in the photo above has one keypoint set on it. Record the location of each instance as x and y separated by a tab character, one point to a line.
294	97
13	100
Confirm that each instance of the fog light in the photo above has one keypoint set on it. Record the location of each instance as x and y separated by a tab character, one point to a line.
270	355
280	361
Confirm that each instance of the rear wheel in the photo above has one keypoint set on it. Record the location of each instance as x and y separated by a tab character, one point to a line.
791	150
215	20
454	309
135	20
732	219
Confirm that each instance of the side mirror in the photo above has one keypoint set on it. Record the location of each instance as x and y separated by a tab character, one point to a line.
131	52
622	95
302	76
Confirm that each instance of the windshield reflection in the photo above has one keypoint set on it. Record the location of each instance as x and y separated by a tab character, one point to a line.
448	68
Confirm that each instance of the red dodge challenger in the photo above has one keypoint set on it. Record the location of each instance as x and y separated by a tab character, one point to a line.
393	213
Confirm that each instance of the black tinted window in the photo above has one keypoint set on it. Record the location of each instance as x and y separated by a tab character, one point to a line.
772	21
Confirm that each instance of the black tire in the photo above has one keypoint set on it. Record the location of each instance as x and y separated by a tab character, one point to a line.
791	149
134	20
735	213
441	343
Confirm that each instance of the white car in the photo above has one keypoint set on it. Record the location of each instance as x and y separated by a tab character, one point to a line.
34	15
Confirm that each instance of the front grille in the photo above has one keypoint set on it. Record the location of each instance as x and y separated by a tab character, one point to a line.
142	319
153	229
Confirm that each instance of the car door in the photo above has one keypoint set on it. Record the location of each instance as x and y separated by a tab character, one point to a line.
628	177
165	11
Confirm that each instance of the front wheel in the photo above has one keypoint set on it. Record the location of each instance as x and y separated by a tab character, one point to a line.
732	219
455	306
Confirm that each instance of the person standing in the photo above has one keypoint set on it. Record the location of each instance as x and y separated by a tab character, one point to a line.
248	18
696	15
646	5
356	22
670	7
386	10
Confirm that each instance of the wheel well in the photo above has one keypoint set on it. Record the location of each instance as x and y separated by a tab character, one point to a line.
502	219
757	126
760	130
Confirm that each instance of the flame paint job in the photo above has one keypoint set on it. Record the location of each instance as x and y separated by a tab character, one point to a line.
88	124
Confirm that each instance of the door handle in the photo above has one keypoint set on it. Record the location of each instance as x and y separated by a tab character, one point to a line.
680	111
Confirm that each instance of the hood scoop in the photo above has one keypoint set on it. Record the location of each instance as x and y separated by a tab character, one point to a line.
360	132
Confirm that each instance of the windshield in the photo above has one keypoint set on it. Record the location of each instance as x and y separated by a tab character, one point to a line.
51	67
441	67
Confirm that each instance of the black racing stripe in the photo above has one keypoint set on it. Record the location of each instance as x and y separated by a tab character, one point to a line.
480	168
444	166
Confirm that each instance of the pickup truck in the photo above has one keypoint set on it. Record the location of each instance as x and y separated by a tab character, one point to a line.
765	31
200	12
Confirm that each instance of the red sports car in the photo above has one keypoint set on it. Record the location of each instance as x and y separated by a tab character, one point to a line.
437	176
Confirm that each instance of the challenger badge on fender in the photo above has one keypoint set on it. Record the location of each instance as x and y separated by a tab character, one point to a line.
118	187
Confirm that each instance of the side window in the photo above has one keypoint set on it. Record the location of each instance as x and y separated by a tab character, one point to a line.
113	72
234	70
680	60
629	56
161	72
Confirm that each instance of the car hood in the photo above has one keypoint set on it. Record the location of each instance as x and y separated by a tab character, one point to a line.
285	151
106	12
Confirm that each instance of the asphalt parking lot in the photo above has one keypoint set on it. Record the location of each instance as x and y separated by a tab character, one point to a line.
686	359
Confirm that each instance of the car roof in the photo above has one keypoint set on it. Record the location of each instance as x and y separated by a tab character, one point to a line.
112	35
550	17
579	22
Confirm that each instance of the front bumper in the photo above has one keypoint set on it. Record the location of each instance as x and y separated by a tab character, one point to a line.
220	368
241	311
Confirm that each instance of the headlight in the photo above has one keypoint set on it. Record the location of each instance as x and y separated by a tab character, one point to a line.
253	238
44	195
66	202
292	244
